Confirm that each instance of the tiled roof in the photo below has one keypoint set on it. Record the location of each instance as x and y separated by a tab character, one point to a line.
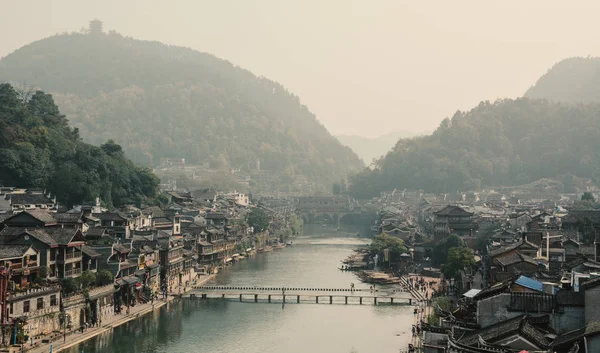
67	217
30	199
591	283
515	257
504	329
121	248
95	232
111	216
155	211
12	251
511	247
502	287
9	235
61	236
42	236
42	215
567	339
89	251
452	210
578	215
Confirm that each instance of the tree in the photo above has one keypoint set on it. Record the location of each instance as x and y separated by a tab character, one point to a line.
207	109
88	278
459	258
70	285
394	245
104	277
258	219
587	196
441	250
336	188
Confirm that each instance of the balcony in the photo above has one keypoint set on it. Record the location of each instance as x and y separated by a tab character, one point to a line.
73	272
70	257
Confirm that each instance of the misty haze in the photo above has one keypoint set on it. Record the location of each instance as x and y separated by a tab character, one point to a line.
314	176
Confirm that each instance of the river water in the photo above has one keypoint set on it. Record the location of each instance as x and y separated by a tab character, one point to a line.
227	326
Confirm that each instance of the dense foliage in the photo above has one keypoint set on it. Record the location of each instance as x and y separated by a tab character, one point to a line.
509	142
258	219
458	259
573	80
39	149
441	249
165	101
394	245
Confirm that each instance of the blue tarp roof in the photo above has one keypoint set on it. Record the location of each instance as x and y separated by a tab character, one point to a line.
530	283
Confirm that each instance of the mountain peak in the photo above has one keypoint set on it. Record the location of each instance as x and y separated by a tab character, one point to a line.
161	101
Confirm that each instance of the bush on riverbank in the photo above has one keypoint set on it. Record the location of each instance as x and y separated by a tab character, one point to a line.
382	242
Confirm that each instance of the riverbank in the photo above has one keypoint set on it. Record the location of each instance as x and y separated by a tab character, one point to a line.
74	337
227	326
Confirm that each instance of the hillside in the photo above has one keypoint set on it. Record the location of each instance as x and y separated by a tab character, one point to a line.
161	101
372	148
573	80
39	149
509	142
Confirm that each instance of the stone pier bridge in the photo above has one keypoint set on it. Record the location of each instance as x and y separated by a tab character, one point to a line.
334	210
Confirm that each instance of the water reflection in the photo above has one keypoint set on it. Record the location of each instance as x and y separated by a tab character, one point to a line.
231	327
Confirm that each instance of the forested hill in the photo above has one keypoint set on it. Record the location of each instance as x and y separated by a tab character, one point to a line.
509	142
573	80
39	149
161	101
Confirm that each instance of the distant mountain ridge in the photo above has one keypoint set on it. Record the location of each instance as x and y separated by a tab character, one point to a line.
572	80
373	148
161	101
508	142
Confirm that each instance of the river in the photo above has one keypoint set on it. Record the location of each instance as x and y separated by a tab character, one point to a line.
227	326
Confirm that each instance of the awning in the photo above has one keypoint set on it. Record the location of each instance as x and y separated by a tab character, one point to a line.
471	293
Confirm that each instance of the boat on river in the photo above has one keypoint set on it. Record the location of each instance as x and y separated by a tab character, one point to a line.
267	248
377	277
279	246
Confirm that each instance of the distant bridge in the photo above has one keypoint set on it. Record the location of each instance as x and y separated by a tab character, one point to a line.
299	295
328	209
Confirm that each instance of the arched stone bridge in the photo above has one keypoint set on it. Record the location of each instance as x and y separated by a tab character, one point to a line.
328	209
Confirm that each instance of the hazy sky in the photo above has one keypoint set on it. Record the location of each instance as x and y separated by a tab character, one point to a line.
364	67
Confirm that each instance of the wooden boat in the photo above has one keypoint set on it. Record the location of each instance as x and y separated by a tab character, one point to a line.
267	248
279	246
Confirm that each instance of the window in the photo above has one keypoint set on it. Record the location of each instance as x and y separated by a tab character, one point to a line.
52	255
10	308
53	300
26	306
40	303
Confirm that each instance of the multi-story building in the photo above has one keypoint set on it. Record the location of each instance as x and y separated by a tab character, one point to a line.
59	248
454	220
172	262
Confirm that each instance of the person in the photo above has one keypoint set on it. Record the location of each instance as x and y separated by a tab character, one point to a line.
352	286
